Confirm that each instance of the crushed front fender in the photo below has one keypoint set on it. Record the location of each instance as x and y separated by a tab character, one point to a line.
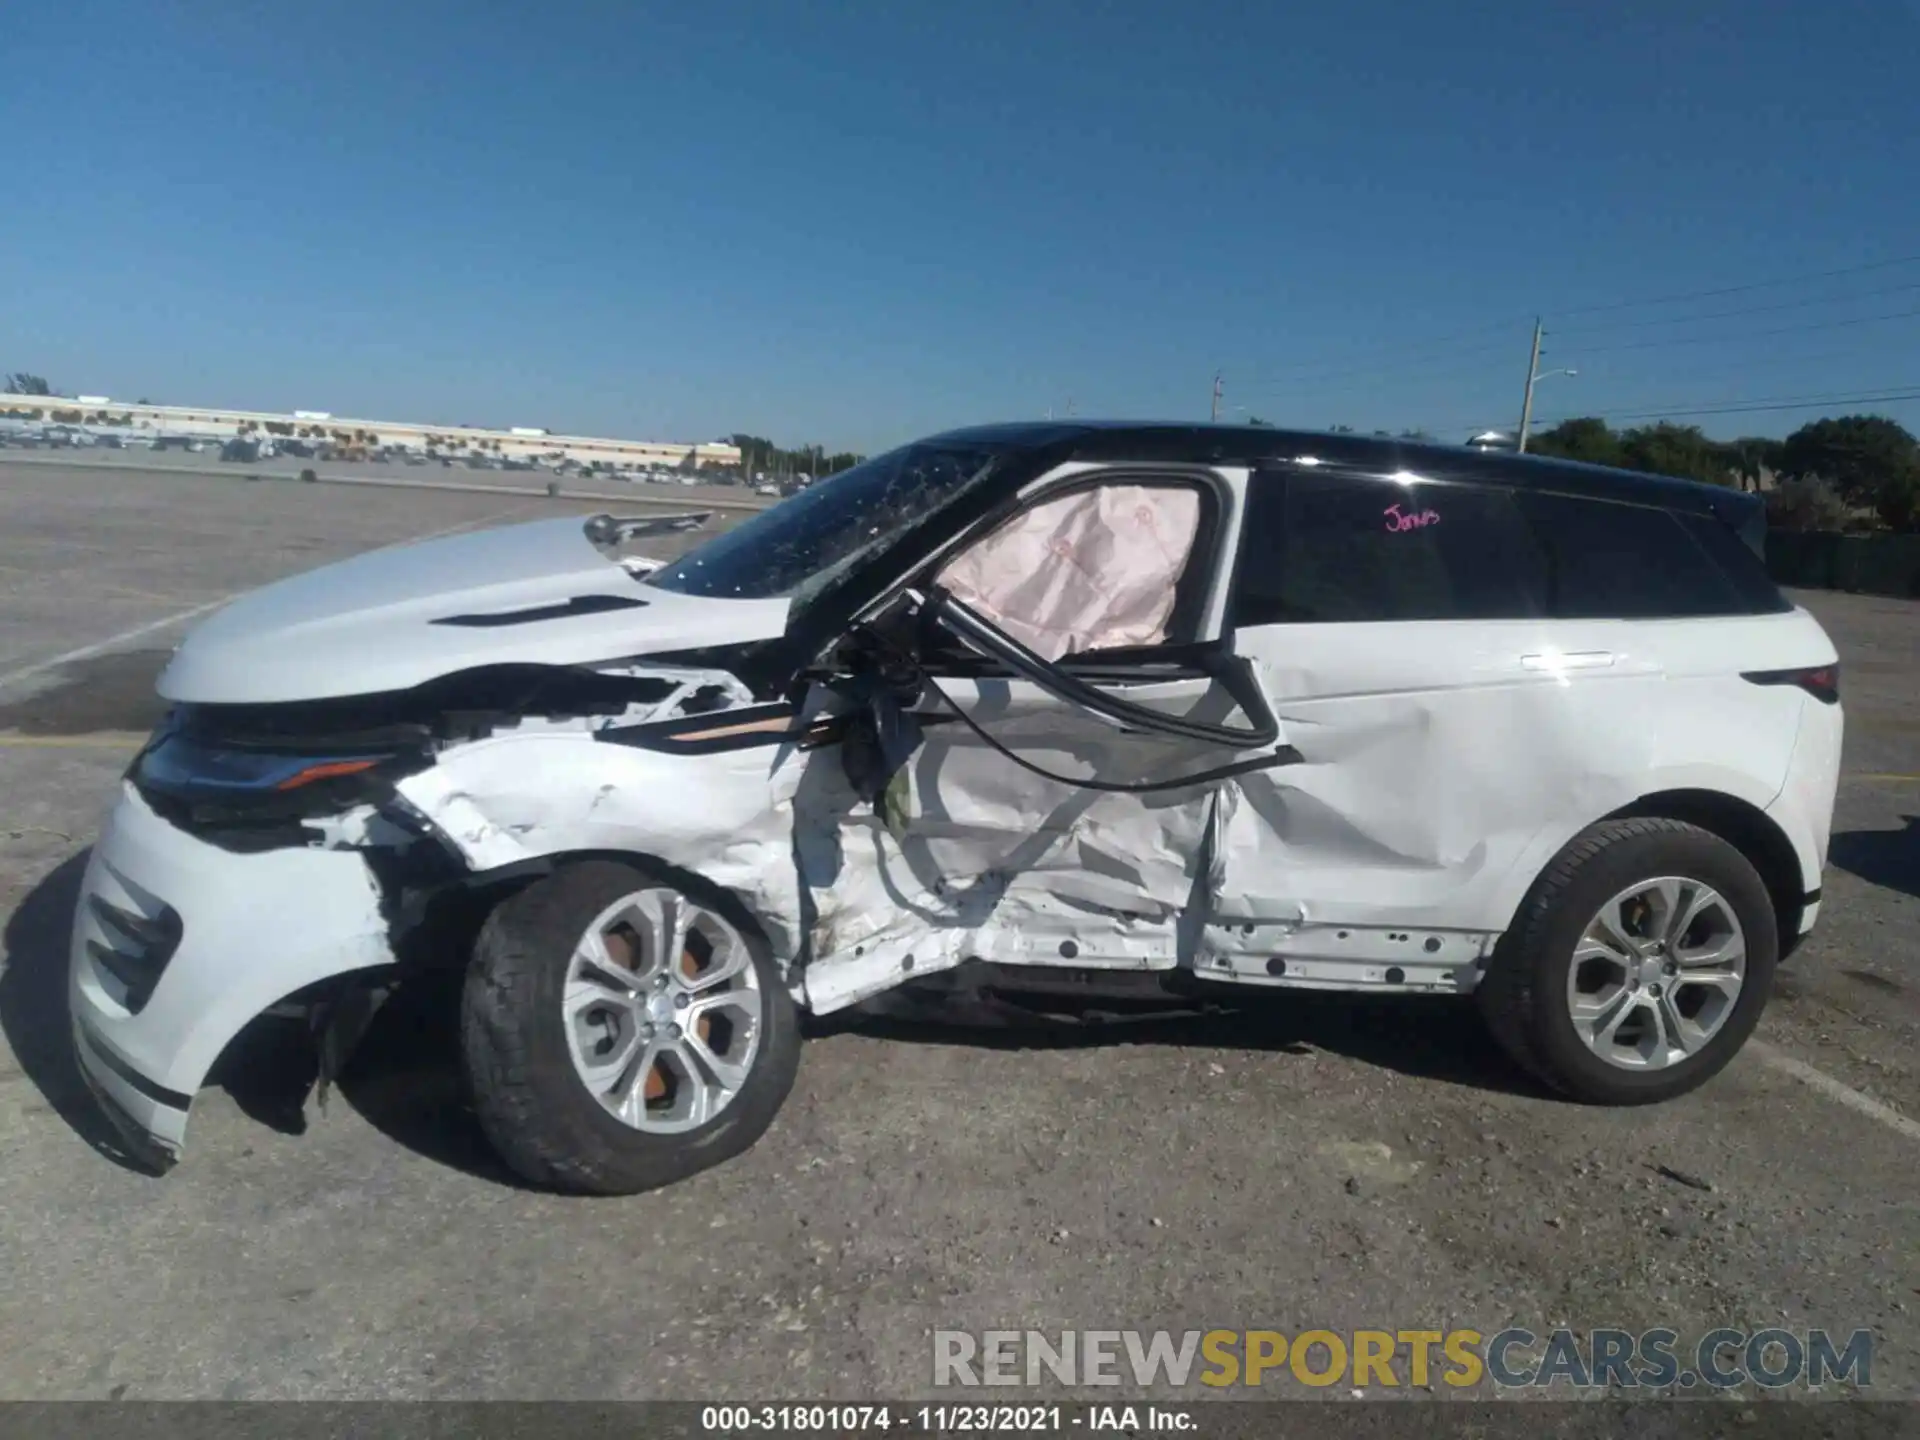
178	943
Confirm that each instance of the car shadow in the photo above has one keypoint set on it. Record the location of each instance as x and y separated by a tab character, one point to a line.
35	1014
1887	858
1431	1038
404	1076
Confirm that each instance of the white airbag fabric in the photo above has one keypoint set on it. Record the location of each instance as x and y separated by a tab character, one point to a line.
1091	571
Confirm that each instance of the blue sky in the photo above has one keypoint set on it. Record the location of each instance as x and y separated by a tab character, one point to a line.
852	223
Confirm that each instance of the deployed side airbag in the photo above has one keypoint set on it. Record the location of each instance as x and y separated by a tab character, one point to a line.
1093	570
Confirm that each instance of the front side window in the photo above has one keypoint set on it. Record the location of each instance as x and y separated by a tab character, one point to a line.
1322	548
802	545
1096	569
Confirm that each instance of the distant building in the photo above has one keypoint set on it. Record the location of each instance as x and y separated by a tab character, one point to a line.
453	442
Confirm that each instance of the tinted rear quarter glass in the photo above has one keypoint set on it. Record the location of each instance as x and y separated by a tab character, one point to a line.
1324	548
1608	560
1745	571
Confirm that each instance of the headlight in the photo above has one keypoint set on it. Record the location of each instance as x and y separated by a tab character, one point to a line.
178	766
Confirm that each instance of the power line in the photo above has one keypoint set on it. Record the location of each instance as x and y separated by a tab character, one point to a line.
1747	310
1745	334
1739	289
1572	346
1310	373
1889	395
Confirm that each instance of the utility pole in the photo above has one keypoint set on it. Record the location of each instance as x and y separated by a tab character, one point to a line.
1533	374
1215	416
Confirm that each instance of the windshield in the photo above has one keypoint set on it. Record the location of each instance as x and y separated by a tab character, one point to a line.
801	545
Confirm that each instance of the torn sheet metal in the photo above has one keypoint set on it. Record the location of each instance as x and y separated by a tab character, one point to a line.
722	816
295	916
992	862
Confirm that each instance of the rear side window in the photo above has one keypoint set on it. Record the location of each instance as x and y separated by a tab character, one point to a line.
1328	549
1611	561
1745	571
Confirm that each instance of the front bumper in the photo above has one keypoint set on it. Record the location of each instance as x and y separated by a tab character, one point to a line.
177	944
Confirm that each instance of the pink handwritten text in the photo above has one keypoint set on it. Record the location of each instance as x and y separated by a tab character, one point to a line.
1419	519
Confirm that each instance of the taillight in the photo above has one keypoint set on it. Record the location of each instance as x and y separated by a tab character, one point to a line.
1820	681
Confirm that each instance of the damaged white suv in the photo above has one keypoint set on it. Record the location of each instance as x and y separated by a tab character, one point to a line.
1008	711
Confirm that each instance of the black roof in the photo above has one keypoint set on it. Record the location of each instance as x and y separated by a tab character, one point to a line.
1175	442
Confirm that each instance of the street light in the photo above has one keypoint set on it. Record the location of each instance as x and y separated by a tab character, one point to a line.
1534	377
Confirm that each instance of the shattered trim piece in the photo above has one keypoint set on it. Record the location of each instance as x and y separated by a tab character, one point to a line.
703	734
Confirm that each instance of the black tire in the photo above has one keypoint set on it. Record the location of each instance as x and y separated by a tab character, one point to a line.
1523	995
535	1110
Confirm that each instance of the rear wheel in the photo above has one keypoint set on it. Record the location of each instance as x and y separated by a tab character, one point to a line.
1638	965
621	1032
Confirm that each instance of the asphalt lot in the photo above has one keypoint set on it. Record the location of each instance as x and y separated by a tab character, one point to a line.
1338	1164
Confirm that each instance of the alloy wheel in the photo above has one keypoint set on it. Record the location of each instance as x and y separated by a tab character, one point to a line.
1656	973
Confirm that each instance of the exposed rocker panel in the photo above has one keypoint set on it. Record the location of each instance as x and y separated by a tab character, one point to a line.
1345	957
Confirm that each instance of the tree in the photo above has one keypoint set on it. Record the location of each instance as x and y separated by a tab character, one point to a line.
758	454
1682	451
1864	456
1809	504
1589	439
1898	500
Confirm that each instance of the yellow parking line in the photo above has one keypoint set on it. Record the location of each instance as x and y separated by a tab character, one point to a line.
1891	778
101	740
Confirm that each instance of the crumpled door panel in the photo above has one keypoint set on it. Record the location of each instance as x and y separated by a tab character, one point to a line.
979	857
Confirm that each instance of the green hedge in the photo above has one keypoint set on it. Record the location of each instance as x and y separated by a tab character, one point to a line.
1828	560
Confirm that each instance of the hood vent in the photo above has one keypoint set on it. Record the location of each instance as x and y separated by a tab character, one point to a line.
578	605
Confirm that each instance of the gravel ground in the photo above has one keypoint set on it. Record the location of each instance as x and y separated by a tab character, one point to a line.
1319	1163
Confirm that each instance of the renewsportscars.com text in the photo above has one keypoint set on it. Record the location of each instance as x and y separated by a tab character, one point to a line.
1510	1358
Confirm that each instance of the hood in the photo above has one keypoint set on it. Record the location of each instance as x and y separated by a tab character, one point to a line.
542	593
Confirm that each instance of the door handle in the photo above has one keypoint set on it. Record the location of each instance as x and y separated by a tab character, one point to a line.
1578	660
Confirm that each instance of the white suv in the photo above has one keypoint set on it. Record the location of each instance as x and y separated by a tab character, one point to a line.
1008	711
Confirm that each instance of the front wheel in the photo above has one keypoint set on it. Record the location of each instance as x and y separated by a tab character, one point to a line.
1638	965
620	1033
